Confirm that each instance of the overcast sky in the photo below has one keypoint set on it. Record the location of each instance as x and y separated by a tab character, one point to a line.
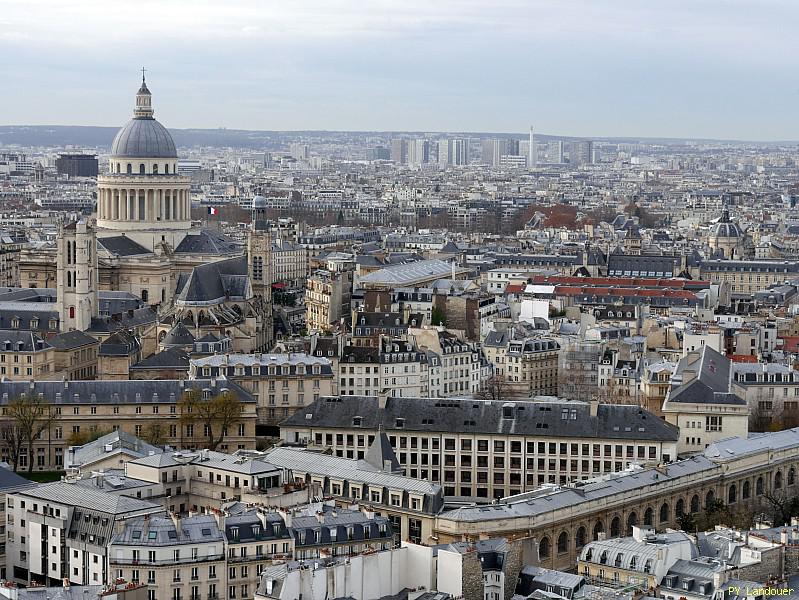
693	68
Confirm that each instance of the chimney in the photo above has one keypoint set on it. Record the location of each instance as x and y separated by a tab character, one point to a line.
594	406
784	537
221	516
175	521
382	399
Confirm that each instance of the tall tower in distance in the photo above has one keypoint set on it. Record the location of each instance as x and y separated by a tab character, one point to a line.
533	158
76	276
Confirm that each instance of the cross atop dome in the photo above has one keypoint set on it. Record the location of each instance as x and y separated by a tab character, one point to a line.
144	105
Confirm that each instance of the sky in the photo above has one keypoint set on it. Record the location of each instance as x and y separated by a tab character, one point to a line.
672	68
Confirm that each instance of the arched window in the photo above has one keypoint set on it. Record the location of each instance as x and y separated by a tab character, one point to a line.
732	494
710	498
746	490
543	548
759	486
664	512
130	169
679	508
155	169
589	554
603	558
649	517
791	476
695	503
598	528
633	561
145	295
71	312
579	538
778	480
632	521
615	527
648	565
141	169
563	542
619	558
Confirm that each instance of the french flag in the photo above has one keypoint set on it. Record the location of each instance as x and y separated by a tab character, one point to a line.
212	210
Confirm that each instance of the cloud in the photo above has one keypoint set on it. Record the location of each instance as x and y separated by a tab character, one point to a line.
578	67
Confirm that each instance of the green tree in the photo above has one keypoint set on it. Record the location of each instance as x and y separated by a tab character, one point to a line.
437	316
214	414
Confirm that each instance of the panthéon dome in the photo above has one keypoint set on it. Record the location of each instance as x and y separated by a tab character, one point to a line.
143	136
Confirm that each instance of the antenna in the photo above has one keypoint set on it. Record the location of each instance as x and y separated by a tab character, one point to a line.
142	74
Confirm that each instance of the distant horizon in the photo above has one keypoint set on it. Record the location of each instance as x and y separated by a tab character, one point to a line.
421	133
715	70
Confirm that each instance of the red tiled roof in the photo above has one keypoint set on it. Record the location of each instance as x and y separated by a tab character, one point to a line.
742	358
619	281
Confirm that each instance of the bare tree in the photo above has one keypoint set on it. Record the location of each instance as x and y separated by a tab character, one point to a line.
759	419
215	414
32	417
155	433
12	439
782	506
494	388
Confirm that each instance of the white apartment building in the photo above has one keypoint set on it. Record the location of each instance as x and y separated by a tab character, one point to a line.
61	531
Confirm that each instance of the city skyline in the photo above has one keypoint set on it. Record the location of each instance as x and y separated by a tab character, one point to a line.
619	69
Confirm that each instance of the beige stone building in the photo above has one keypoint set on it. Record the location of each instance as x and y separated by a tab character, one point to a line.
25	356
525	367
280	383
76	354
701	402
146	409
327	299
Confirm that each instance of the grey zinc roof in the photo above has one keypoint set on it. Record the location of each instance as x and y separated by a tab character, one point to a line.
408	273
207	242
143	138
162	531
171	358
344	468
543	501
80	496
179	335
10	480
216	281
122	245
122	391
117	441
71	339
74	592
528	418
381	455
756	442
21	341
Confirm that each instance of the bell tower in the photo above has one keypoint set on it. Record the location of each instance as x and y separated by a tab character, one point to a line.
76	277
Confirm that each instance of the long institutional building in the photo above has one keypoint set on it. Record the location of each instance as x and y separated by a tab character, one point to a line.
486	449
739	472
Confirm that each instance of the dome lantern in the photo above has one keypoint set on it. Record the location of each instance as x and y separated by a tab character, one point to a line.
143	136
144	101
